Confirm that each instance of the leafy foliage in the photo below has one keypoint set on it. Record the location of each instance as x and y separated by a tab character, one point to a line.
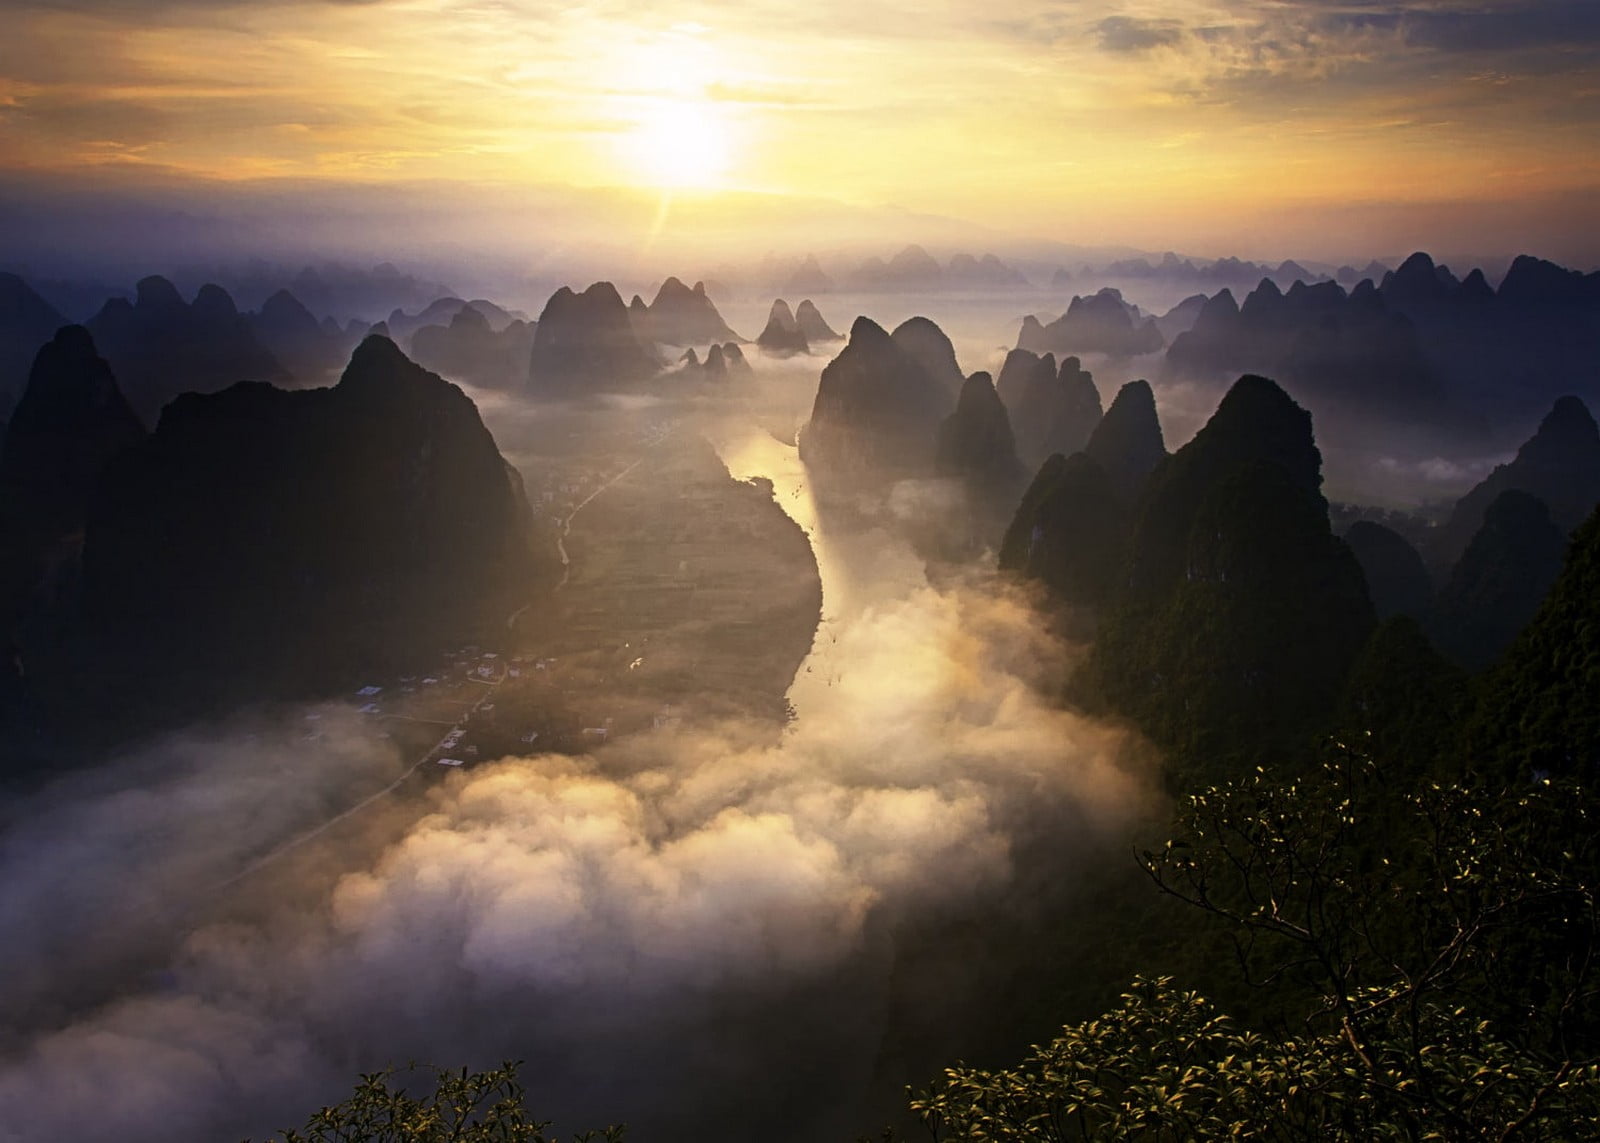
464	1107
1432	947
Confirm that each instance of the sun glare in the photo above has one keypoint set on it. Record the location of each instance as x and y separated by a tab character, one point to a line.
679	143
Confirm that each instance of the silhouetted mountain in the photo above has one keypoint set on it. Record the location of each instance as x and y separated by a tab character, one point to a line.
1127	443
1559	464
1242	612
159	346
876	413
1099	323
585	343
1347	355
1404	699
293	335
1539	715
1015	372
272	542
975	443
469	349
1070	533
722	363
782	335
926	342
72	420
1534	281
1509	351
437	312
1057	412
683	316
403	326
811	323
27	321
1500	580
1397	580
1348	275
1181	317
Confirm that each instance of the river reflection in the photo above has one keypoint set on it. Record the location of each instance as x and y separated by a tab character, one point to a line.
861	567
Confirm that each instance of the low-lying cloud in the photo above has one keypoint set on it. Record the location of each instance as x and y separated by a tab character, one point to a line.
689	930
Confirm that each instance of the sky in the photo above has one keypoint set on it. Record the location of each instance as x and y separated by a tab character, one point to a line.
1311	128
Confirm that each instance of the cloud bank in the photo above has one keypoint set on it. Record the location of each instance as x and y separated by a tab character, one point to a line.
684	931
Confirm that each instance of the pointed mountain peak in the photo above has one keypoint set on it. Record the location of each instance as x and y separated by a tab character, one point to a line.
864	331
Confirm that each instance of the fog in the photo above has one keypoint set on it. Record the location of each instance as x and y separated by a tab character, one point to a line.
708	930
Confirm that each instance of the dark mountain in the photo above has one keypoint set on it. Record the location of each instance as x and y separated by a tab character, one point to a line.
27	321
1015	372
160	346
1500	580
268	542
1536	282
684	316
469	349
439	312
1057	412
722	363
586	343
782	335
926	342
1509	351
1397	579
975	443
1404	699
1373	272
876	414
1350	356
72	420
1127	443
402	325
293	335
1099	323
1070	534
811	323
1241	611
1181	317
1539	714
1559	464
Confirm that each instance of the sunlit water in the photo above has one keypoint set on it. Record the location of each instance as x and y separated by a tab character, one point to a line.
860	568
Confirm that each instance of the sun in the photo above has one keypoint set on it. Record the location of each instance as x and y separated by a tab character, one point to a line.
680	143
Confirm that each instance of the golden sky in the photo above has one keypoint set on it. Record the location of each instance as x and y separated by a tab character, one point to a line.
1149	122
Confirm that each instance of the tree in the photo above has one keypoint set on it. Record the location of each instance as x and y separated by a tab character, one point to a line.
464	1107
1430	951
